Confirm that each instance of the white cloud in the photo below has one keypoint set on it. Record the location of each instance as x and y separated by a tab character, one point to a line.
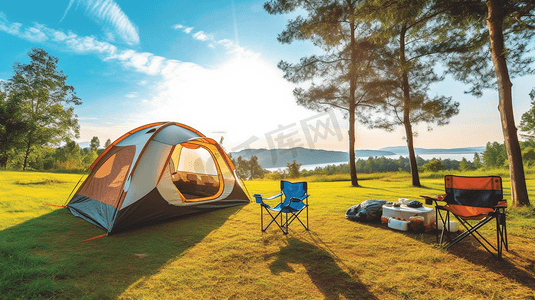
109	13
34	34
229	97
229	45
11	28
201	36
183	28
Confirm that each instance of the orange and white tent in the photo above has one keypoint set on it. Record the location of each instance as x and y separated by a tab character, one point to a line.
156	172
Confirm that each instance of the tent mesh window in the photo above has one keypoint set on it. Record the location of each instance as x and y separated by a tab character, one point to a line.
194	172
105	185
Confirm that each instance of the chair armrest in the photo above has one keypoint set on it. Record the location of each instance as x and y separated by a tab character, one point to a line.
429	200
273	197
501	204
259	198
299	199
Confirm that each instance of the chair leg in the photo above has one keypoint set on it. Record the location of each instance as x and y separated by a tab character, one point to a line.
307	215
472	231
501	233
295	216
274	219
446	230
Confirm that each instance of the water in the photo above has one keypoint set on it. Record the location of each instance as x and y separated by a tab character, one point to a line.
458	157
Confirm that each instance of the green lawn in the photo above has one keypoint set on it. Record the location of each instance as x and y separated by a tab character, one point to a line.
224	255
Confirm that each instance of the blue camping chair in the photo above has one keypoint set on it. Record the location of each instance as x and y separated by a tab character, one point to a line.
294	202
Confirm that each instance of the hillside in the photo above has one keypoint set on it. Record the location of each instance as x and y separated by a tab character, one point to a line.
277	158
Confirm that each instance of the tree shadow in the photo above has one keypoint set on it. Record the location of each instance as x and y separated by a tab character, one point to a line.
322	269
470	250
48	257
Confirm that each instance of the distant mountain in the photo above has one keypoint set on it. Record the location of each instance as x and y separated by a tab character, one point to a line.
278	158
402	150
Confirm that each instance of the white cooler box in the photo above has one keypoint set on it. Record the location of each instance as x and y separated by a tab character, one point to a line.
405	212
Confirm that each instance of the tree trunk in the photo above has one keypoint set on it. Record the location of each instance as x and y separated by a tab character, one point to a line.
28	147
352	108
519	193
4	157
352	158
3	162
412	155
407	109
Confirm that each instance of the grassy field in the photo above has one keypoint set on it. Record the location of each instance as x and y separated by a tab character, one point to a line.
224	255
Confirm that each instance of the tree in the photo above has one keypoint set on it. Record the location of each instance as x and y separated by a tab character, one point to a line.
242	167
95	143
477	161
347	67
508	26
12	127
415	35
293	169
108	143
255	168
248	169
465	165
527	123
434	165
494	156
45	100
528	156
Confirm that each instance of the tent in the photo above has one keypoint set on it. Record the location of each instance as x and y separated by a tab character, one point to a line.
156	172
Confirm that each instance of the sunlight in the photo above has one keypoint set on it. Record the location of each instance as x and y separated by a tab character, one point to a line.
245	89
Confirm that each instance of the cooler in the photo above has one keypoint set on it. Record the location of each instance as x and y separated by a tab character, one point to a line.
405	212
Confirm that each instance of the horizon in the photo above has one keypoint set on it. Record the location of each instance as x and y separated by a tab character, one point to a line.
85	145
214	69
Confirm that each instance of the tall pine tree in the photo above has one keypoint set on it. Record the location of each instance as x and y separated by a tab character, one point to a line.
347	69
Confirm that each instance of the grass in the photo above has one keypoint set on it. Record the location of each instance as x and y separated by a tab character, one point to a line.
224	255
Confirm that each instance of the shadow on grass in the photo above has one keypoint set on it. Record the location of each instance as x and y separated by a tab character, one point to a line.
389	190
44	257
322	269
470	250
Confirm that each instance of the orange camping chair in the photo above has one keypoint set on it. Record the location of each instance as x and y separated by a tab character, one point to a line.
474	201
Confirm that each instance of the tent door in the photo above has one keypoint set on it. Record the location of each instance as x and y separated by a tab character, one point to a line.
195	172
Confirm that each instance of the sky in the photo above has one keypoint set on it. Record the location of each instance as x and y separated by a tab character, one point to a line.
211	65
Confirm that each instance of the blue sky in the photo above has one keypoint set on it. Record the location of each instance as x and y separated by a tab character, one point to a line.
210	65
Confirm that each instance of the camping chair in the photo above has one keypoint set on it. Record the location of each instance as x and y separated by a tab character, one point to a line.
469	199
294	202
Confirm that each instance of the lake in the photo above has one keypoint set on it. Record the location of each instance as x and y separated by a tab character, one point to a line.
458	157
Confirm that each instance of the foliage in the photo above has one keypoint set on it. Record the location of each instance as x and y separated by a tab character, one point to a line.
415	36
108	142
293	169
527	122
69	157
95	143
375	165
502	31
474	65
477	161
248	169
12	127
434	165
348	68
495	155
45	101
466	165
